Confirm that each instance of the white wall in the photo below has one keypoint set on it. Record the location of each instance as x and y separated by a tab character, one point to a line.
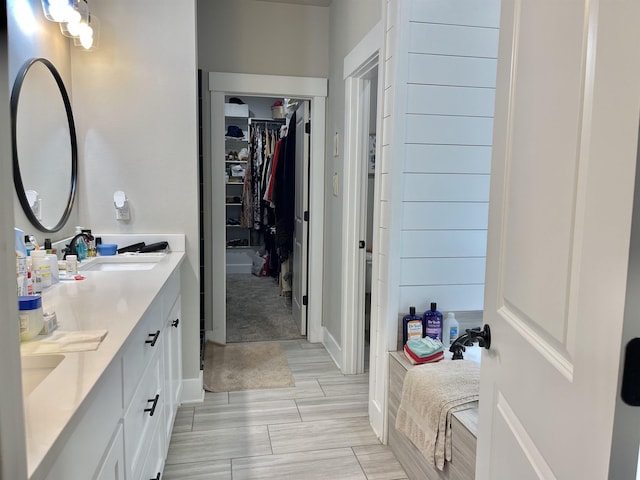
136	109
12	441
349	23
245	36
31	36
439	95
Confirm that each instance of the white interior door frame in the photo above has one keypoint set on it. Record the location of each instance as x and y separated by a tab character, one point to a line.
360	62
303	88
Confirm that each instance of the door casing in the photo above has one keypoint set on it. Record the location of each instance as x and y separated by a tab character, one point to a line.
303	88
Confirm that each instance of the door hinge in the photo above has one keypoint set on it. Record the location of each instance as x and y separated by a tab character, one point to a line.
305	300
307	127
305	216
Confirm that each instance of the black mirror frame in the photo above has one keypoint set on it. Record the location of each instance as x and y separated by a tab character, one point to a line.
17	177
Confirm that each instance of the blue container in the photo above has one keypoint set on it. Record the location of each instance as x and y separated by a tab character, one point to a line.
107	249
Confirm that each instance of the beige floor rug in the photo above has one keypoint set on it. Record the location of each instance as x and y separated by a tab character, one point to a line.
245	366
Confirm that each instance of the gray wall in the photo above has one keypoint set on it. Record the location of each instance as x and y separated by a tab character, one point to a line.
350	21
245	36
134	101
12	443
136	107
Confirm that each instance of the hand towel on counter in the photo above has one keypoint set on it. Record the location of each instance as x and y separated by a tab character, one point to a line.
415	360
424	347
430	395
64	342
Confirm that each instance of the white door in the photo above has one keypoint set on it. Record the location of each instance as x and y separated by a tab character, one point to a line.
565	142
301	226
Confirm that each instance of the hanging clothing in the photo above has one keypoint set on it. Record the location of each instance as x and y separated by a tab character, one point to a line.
268	196
284	192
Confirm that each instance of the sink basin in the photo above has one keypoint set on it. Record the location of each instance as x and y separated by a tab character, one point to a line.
35	368
123	263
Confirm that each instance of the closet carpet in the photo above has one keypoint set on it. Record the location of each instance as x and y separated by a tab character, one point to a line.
256	312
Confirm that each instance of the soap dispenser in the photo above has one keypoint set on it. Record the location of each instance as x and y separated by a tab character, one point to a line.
81	246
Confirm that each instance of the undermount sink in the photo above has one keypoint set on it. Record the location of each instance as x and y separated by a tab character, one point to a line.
122	263
35	368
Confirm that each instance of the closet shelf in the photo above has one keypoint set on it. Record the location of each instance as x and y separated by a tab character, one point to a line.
236	139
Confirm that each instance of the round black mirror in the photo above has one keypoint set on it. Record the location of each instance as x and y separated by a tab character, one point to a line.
44	145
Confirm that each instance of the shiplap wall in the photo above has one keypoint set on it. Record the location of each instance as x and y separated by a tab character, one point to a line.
451	48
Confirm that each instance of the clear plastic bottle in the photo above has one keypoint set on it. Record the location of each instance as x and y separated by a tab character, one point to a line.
30	247
450	329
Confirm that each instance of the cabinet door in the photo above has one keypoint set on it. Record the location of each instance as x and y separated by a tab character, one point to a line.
113	465
173	366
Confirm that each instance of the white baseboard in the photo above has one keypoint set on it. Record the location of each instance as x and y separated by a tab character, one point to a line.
192	390
332	347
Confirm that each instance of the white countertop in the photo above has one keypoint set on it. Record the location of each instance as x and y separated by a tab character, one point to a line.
114	301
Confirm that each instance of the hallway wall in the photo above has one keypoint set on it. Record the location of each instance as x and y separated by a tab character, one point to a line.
246	36
135	102
349	23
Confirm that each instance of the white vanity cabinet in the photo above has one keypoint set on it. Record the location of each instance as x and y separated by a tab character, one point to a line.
149	417
124	430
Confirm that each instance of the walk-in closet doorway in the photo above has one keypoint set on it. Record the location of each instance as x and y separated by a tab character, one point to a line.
266	162
248	89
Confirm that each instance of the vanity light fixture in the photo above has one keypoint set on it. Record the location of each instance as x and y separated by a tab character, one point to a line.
76	21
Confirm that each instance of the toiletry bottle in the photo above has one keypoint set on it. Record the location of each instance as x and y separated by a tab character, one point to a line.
42	269
450	329
433	322
412	326
72	266
30	247
91	243
47	246
30	316
20	247
29	287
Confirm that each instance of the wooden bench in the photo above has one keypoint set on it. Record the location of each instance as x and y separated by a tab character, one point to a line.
464	430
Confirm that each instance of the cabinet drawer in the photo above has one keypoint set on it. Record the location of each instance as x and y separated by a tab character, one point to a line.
143	414
140	348
154	463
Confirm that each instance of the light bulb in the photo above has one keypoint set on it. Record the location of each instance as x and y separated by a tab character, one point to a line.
74	28
86	36
59	10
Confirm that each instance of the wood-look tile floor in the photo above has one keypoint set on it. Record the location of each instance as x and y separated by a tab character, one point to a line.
318	429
